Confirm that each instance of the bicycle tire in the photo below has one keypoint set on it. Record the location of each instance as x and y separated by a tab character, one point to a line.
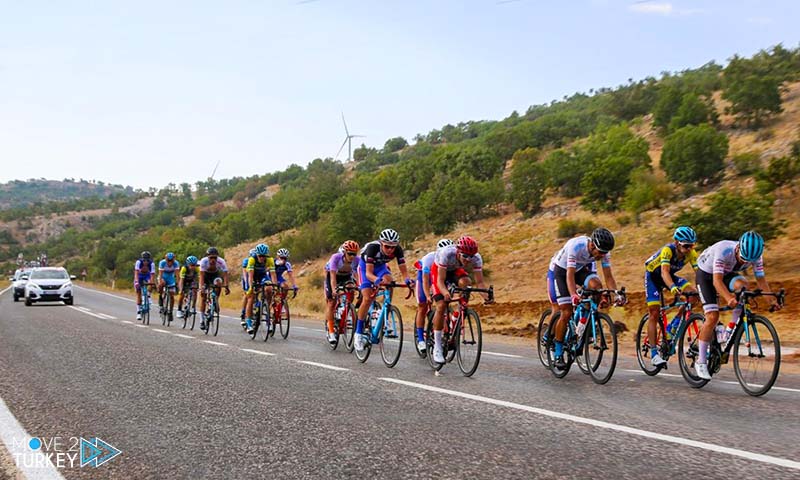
162	311
450	345
266	321
391	350
349	329
363	355
429	343
469	333
551	350
285	319
170	301
756	389
643	350
541	339
272	321
688	349
422	353
185	311
608	344
194	318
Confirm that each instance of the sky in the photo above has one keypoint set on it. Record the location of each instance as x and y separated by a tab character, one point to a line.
148	93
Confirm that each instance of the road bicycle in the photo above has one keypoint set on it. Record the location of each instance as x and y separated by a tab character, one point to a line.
189	307
462	337
166	304
668	332
280	312
262	321
384	326
597	341
145	307
344	317
753	341
212	309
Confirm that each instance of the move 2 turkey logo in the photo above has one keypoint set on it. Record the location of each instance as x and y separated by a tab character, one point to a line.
67	452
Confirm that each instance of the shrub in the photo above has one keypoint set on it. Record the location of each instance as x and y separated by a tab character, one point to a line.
528	181
694	153
747	163
569	228
646	191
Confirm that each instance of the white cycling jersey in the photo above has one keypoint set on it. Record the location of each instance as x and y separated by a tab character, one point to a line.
219	266
721	258
448	257
575	254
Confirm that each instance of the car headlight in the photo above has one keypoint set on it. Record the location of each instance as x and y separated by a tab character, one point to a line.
33	285
67	285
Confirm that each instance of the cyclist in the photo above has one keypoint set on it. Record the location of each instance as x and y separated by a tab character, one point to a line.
449	269
373	269
720	274
245	286
423	290
212	267
142	273
573	265
186	281
339	270
282	266
659	274
260	267
167	268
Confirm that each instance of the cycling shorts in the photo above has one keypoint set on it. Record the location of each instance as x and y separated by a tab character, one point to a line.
557	283
188	283
708	293
380	271
341	279
421	297
169	279
140	279
209	277
653	284
451	278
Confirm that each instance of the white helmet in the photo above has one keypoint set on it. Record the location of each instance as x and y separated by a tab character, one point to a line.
389	236
445	242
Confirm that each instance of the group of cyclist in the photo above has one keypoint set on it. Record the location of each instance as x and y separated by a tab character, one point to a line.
718	273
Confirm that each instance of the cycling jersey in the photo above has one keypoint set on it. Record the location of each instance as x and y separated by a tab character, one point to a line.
448	257
668	256
281	267
260	269
167	270
575	254
373	253
219	266
425	263
188	274
338	264
721	258
144	268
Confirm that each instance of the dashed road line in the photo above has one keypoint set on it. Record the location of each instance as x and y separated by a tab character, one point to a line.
508	355
323	365
141	326
269	354
182	335
216	343
86	311
127	321
161	331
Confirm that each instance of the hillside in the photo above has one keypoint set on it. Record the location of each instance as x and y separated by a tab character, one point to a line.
19	193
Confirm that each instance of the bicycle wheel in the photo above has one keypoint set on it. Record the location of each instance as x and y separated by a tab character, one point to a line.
757	360
422	353
349	328
170	301
391	337
186	309
363	355
688	349
469	341
272	321
215	316
644	347
336	323
429	343
266	322
256	322
285	319
450	347
541	336
600	348
194	317
162	310
551	354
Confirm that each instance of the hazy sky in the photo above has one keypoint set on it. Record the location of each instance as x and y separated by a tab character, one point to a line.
146	93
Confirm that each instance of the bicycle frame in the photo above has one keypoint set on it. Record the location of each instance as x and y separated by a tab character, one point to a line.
145	299
345	294
386	304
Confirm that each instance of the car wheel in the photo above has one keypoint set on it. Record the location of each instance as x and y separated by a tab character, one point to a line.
28	302
69	301
16	297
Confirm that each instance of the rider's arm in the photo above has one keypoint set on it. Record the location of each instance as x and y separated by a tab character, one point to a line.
426	284
291	277
441	274
370	272
667	276
404	270
608	276
722	289
480	283
180	279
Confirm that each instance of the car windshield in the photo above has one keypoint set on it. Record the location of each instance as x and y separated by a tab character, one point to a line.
49	275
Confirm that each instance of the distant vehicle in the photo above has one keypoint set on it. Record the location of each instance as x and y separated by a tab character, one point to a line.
19	280
49	284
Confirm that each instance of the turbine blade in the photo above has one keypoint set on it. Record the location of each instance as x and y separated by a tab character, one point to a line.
340	148
345	125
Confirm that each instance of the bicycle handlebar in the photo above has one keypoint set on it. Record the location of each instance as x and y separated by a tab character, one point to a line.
393	284
686	295
468	290
744	294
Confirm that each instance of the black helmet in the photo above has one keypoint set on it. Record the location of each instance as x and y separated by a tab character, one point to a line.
603	239
146	255
212	251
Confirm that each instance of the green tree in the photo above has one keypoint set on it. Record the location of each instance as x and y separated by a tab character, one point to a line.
354	216
564	172
395	144
645	191
753	89
528	181
692	111
605	182
694	153
669	100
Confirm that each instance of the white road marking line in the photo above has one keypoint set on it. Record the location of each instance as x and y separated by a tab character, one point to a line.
182	335
106	293
6	289
662	374
16	440
503	354
141	326
258	352
302	328
127	321
161	331
107	316
83	308
329	367
86	312
782	462
216	343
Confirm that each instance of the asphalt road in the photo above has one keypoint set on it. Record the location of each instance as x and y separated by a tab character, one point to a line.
178	406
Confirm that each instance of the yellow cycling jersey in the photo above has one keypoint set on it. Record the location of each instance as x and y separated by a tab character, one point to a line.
667	256
190	272
260	268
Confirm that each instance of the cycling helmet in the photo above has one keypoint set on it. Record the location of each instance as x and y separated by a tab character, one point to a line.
445	242
350	246
603	239
146	255
262	249
685	235
191	260
252	252
170	256
389	236
751	246
212	251
282	252
467	245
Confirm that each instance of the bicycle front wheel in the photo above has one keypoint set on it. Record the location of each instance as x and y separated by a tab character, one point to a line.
689	349
285	319
391	337
757	359
600	348
542	335
349	328
469	341
644	347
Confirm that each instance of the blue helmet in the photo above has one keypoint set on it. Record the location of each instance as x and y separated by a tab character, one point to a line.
191	260
685	235
751	246
170	256
262	249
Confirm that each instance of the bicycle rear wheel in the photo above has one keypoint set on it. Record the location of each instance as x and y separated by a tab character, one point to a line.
391	337
349	328
285	319
363	355
600	348
757	361
644	347
542	336
469	342
688	349
551	353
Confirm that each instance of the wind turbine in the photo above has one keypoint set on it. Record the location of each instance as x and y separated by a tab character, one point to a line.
347	140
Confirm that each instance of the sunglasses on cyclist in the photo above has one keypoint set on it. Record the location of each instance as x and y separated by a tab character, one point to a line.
350	254
467	256
261	256
687	246
389	247
212	258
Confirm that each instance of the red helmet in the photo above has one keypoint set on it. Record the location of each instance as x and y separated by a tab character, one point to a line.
467	245
350	246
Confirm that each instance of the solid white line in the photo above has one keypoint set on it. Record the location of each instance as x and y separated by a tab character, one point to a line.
141	326
83	308
662	374
6	289
782	462
16	441
215	343
301	328
503	354
77	309
161	331
106	293
258	352
182	335
329	367
127	321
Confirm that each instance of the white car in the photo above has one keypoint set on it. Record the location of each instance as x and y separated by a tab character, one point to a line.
49	284
20	278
